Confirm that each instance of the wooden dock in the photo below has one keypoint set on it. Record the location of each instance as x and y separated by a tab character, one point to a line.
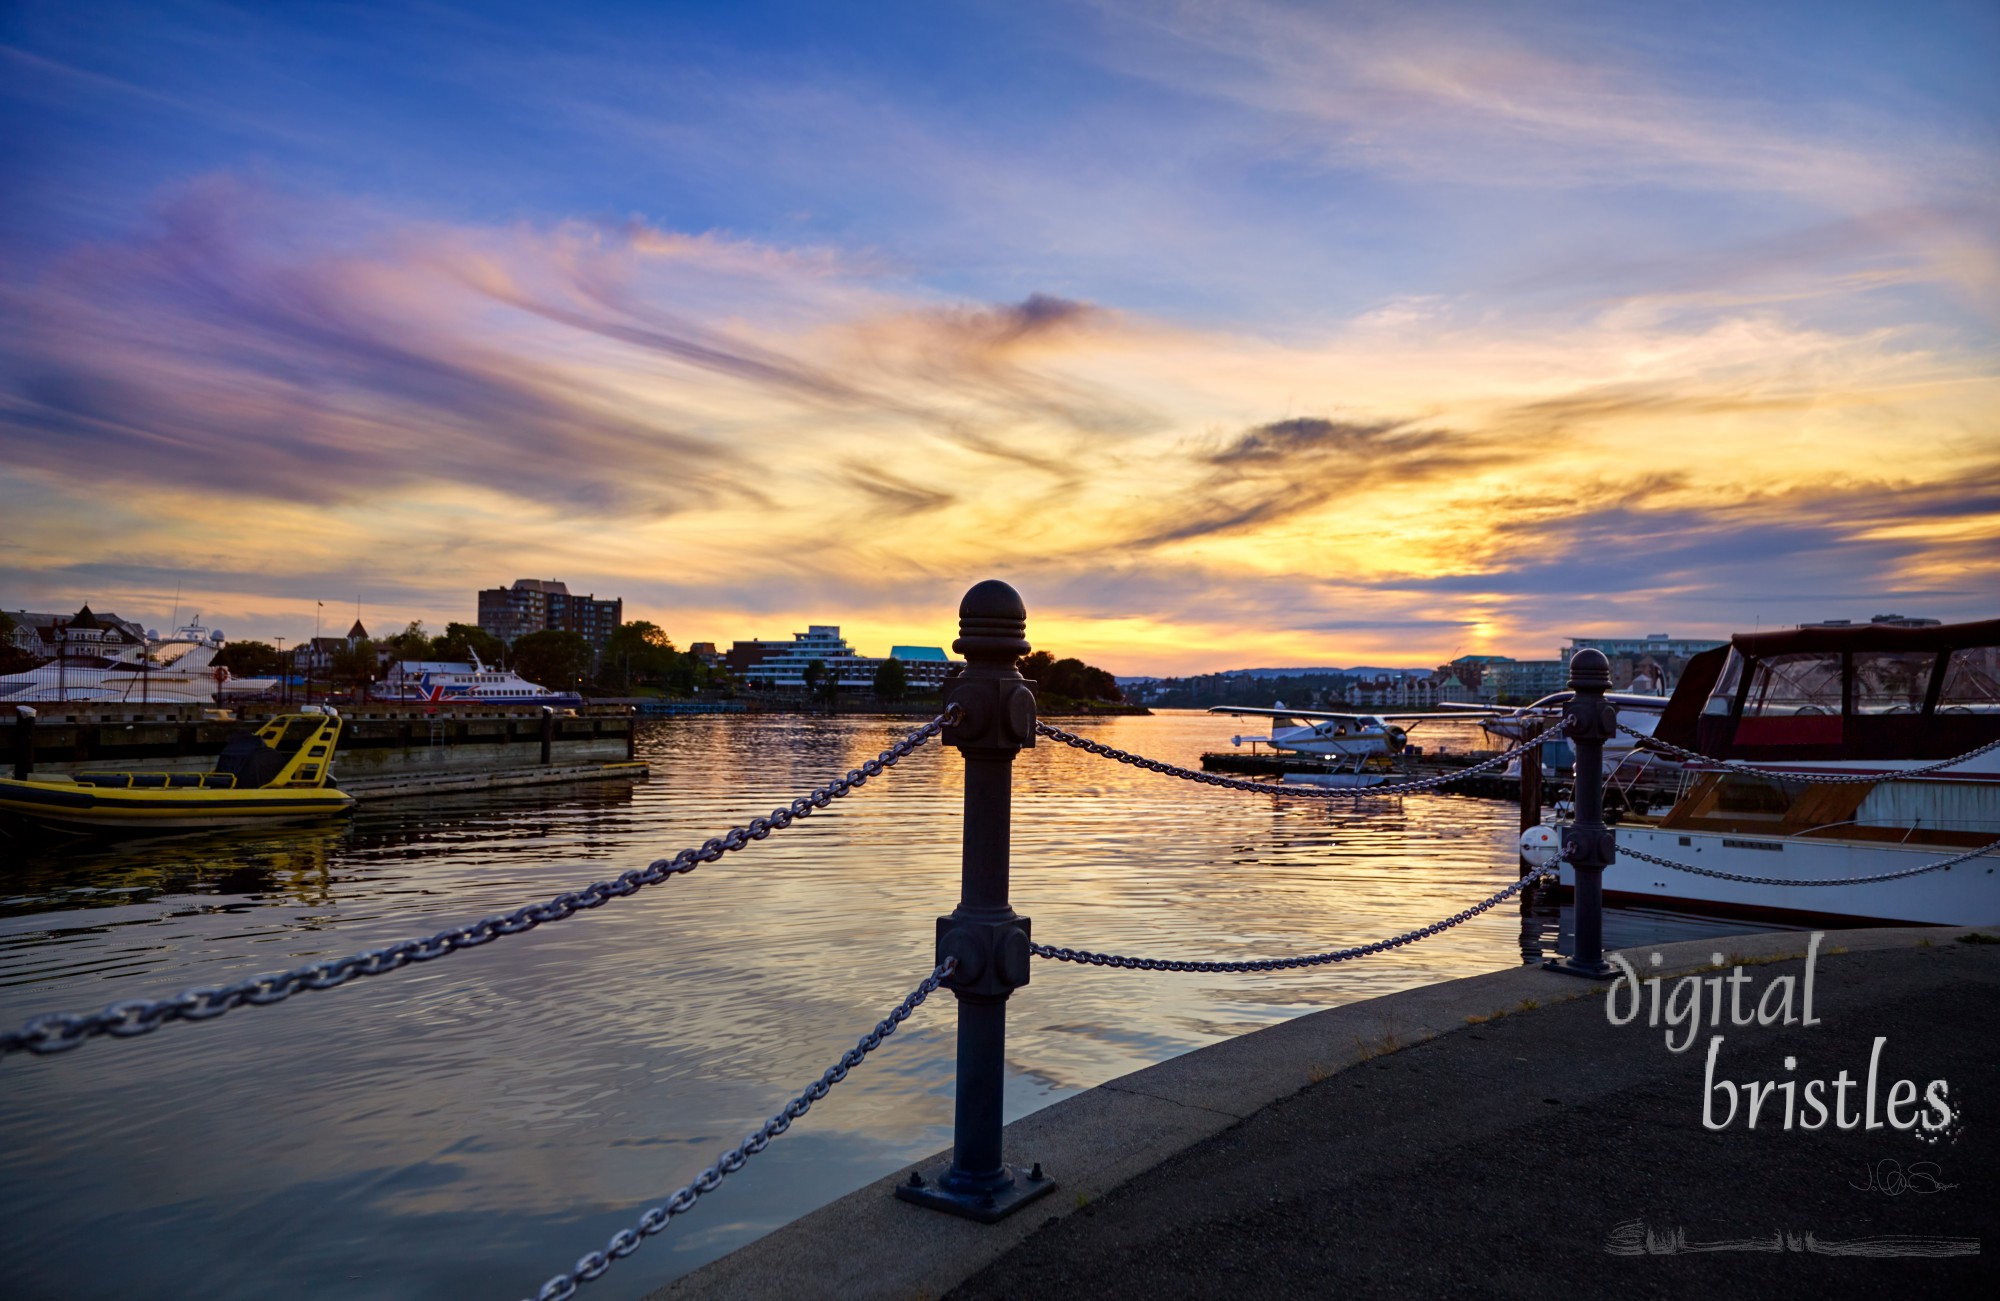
409	785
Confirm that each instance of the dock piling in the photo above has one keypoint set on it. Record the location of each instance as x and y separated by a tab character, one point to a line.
984	934
24	742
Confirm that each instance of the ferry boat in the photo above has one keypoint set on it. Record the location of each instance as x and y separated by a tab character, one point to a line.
1797	709
450	683
280	773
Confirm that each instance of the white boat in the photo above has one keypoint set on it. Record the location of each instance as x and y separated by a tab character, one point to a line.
180	669
453	683
1785	713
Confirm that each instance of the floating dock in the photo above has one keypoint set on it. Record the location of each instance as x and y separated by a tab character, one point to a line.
386	751
1487	785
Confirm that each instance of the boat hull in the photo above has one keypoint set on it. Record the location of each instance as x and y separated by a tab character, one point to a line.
1965	895
68	806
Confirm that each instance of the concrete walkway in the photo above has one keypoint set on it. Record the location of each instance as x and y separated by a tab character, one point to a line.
1490	1137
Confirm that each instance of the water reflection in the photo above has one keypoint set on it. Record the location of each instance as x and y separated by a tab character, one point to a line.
468	1127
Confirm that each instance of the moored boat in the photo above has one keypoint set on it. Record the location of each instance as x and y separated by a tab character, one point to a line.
279	773
1826	755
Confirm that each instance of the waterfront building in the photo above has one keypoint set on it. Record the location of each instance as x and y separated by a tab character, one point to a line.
1521	682
1394	691
314	655
81	634
1656	656
924	667
1879	621
542	604
781	665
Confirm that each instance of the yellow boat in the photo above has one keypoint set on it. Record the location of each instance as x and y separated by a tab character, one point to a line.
279	773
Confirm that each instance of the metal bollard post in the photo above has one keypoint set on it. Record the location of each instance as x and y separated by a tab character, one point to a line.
24	742
1590	845
548	734
985	935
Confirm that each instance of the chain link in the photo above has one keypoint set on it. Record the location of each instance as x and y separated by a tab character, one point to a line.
1088	958
1301	792
1820	779
1940	865
626	1241
54	1032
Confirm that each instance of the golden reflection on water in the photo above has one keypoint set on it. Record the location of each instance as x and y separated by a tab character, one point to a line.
470	1126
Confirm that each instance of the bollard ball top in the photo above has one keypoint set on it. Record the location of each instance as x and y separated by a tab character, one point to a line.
992	624
1589	669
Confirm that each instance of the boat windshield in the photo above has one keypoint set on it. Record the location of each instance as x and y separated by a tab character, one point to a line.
1806	682
1722	697
1892	682
1971	682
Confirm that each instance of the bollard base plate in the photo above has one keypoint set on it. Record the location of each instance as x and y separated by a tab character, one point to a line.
985	1207
1599	970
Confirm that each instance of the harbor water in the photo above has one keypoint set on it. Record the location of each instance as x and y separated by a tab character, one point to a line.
469	1127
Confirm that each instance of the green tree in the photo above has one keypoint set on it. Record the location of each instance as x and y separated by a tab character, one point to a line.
814	673
13	659
1069	677
641	653
252	659
459	642
353	666
413	643
891	681
556	659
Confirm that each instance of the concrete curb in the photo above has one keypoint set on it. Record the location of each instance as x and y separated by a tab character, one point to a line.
1095	1141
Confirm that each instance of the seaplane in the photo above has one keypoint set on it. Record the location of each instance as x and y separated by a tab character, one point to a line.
1325	734
1624	761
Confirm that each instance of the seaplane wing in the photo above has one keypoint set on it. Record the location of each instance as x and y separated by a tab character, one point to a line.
1313	715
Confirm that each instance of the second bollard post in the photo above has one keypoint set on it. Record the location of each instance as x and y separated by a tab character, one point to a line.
1589	845
996	720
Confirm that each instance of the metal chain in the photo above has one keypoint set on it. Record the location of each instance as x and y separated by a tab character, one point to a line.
54	1032
626	1241
1301	792
1310	960
1941	864
1828	779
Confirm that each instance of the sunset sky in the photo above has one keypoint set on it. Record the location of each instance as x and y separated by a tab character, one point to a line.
1229	333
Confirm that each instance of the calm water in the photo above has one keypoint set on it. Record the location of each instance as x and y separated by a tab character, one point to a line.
468	1128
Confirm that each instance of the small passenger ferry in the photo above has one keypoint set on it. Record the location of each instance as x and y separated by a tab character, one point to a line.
1802	707
453	683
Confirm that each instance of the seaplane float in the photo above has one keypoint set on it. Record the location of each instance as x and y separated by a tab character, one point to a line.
279	773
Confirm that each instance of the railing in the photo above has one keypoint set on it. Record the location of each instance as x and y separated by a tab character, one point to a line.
983	947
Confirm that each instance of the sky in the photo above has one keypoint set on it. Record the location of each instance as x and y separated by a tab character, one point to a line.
1229	333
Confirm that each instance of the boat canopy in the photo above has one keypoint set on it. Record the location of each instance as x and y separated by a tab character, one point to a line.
1868	691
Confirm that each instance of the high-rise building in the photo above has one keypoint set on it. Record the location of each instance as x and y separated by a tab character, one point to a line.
540	604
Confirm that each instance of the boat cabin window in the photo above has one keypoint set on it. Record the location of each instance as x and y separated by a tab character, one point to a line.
1971	682
1722	698
1892	682
1806	682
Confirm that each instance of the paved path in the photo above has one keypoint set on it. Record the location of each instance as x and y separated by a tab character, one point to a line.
1503	1161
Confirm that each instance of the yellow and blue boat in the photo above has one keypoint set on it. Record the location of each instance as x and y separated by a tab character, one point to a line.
279	773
